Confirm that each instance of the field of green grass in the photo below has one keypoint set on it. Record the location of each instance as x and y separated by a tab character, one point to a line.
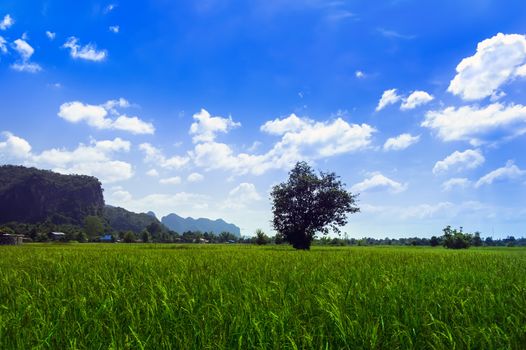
148	296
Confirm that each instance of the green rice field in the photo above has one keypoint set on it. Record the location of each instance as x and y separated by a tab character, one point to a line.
147	296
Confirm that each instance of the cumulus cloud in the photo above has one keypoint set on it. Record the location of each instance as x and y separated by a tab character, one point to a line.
455	183
14	147
377	181
98	116
28	67
51	35
400	142
281	126
3	46
241	196
388	97
87	52
155	156
470	123
183	203
313	140
6	22
205	127
497	61
114	29
195	177
415	99
359	74
25	51
95	159
469	159
23	48
152	173
509	172
175	180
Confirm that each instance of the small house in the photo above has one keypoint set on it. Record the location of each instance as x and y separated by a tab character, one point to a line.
8	239
57	236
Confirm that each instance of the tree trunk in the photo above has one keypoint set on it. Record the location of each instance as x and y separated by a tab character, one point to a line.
302	242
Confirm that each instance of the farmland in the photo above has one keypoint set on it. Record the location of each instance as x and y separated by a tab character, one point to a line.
147	296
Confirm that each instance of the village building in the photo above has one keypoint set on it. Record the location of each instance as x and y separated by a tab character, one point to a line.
9	239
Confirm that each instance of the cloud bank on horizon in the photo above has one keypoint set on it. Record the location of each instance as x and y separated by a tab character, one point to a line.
218	117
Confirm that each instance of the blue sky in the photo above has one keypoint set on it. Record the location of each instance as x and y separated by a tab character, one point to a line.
199	107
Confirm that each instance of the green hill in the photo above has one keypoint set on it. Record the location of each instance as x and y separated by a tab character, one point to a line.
29	195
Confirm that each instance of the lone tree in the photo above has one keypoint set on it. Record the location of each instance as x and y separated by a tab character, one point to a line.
308	204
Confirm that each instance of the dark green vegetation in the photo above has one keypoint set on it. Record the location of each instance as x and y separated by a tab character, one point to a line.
120	219
36	202
179	224
308	204
243	297
30	196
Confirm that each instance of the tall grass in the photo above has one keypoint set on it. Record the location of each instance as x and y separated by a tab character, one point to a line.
243	297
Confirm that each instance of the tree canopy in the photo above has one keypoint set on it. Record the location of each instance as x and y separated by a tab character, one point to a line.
308	204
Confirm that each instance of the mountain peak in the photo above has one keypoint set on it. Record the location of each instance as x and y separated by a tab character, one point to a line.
178	224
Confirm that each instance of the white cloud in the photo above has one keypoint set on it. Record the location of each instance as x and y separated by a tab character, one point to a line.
378	181
315	140
25	51
359	74
206	127
7	22
94	159
455	183
119	195
107	171
152	173
133	125
469	159
14	147
195	177
388	97
301	139
241	196
281	126
28	67
114	29
424	211
182	203
509	172
176	180
97	116
109	8
51	35
469	123
415	99
155	156
400	142
87	52
394	34
497	60
3	46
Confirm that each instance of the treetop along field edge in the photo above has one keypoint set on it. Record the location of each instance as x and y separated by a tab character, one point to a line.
307	204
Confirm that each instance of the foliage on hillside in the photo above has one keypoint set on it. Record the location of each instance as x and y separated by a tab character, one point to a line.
120	219
30	195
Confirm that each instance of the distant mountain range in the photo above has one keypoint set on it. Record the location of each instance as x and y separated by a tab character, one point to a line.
34	196
179	224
